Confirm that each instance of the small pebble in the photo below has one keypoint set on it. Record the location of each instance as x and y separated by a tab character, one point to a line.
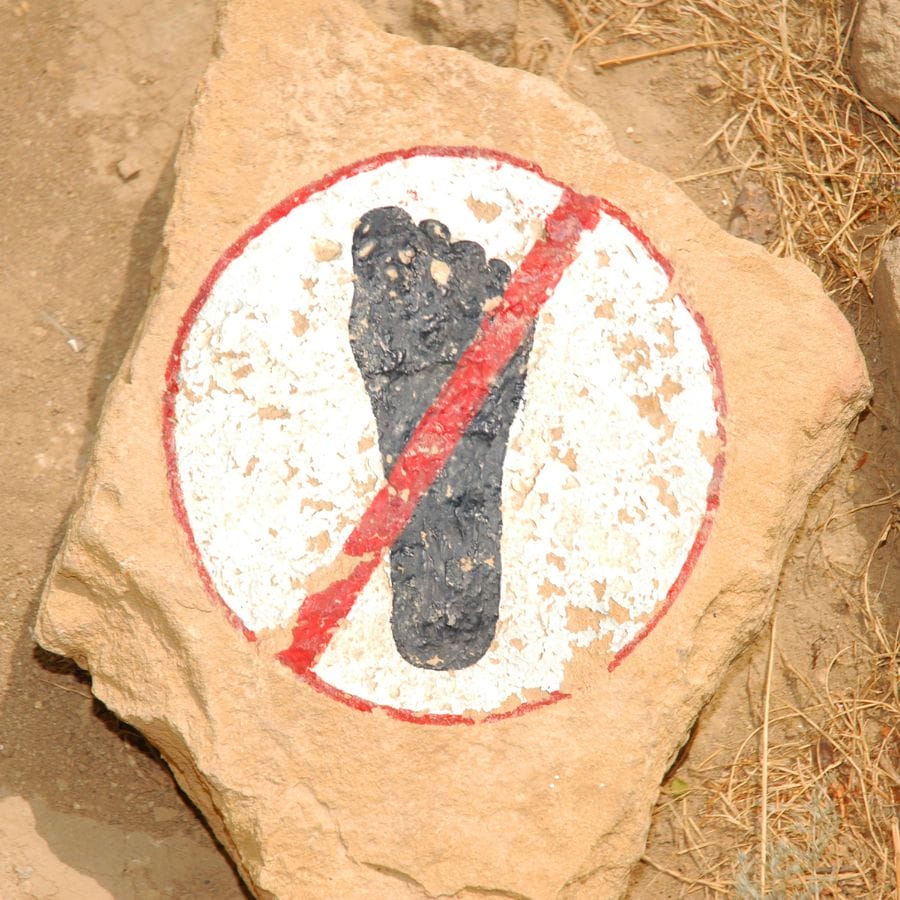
708	87
128	168
754	216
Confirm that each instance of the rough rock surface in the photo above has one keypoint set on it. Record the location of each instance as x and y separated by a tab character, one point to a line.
316	795
886	288
875	53
485	28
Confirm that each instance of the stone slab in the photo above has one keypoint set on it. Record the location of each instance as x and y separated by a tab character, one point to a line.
349	766
485	28
875	53
886	292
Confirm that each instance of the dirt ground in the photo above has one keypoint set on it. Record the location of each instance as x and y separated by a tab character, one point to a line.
93	95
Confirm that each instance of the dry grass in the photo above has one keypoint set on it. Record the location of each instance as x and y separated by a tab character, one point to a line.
830	160
808	805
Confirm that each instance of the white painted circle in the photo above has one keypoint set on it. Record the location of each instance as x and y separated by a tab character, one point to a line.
611	467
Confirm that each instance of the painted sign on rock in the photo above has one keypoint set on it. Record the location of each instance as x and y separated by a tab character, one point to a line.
438	423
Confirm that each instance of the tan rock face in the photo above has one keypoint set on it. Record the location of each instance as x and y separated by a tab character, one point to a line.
418	603
875	53
886	290
485	28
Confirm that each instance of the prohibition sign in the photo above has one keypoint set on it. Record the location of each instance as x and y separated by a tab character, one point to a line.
442	423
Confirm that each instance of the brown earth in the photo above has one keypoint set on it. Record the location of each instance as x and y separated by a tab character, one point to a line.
93	98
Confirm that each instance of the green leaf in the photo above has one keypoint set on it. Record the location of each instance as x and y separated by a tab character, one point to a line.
678	787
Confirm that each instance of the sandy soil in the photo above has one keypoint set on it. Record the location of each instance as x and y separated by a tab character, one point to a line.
93	98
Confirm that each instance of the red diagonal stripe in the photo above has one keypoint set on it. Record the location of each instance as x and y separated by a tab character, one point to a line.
444	422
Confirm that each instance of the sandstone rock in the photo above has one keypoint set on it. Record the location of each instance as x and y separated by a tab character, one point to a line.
392	16
875	53
235	577
485	28
886	289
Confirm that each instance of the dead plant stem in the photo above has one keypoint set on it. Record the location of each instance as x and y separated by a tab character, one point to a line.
895	838
672	873
764	762
652	54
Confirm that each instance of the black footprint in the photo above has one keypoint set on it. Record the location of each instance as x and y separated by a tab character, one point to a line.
417	304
